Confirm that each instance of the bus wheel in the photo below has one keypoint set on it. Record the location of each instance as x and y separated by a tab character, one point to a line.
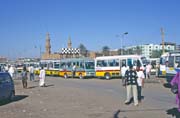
80	76
65	76
107	76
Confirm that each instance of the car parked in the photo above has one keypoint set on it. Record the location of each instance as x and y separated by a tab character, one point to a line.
7	91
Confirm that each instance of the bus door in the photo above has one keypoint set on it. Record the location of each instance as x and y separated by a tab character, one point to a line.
123	62
56	67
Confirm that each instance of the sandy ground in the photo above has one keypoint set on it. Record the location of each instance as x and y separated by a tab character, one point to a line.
76	98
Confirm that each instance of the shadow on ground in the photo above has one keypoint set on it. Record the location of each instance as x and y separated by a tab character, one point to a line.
48	85
16	98
31	87
132	100
167	85
174	112
117	113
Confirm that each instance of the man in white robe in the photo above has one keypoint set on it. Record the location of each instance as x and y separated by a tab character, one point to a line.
42	76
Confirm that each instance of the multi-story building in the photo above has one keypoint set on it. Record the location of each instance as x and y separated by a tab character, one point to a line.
177	47
3	59
147	49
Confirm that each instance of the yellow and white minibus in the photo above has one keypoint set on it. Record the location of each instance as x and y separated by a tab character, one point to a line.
173	65
51	67
110	66
162	64
84	67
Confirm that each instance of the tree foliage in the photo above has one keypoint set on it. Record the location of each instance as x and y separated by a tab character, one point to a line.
83	50
105	50
156	54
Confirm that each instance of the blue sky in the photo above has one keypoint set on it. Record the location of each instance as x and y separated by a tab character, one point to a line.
94	23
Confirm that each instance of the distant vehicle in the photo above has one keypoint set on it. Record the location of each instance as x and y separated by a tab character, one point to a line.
84	67
51	67
173	65
7	90
154	63
19	67
162	64
109	66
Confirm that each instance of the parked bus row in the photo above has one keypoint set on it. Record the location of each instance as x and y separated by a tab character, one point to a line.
102	67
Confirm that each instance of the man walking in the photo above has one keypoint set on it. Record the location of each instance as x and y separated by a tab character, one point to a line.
131	85
31	73
73	71
140	82
42	77
148	70
123	71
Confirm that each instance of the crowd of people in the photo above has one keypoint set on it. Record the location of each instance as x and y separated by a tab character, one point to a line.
23	75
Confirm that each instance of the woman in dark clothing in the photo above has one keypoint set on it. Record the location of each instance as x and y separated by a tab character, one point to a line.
24	77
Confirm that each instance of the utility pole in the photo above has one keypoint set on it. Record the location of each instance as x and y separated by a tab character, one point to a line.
162	36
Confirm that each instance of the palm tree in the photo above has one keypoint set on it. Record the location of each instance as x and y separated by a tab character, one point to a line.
83	50
105	50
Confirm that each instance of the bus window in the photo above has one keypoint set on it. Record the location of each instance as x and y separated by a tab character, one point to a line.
163	61
123	62
171	61
63	65
129	61
89	65
81	65
99	63
134	62
50	65
45	65
68	64
144	60
56	65
113	62
177	59
138	63
102	63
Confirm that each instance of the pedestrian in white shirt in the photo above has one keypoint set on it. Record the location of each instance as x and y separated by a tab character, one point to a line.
31	73
123	71
11	71
73	71
148	71
140	81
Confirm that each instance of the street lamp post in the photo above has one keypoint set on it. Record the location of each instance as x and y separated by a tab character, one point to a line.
122	38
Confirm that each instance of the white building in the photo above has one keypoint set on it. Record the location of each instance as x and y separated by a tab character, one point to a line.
147	49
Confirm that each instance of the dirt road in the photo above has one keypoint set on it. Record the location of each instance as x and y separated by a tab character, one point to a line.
94	98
